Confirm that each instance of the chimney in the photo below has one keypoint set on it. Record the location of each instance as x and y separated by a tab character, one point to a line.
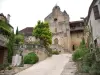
8	18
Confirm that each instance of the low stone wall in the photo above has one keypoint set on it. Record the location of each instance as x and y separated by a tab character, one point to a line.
58	48
40	53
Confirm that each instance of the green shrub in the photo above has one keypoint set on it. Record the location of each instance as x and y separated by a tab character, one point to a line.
80	52
31	58
87	62
55	52
9	68
95	69
3	66
85	68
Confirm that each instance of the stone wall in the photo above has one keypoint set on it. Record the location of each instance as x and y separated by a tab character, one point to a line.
40	53
76	38
95	23
59	26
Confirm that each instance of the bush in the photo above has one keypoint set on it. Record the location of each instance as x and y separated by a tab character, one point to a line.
80	52
31	58
55	52
3	66
87	62
95	69
9	68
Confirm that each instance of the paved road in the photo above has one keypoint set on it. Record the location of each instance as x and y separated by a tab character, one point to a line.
51	66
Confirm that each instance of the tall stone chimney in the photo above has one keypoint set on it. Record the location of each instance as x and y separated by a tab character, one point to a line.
8	18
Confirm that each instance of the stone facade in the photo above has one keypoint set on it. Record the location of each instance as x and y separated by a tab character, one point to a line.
40	52
60	27
3	39
28	37
93	19
77	33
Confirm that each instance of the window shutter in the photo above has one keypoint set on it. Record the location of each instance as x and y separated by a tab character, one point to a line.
96	12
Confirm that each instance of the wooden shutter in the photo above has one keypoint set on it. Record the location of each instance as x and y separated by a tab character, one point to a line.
96	12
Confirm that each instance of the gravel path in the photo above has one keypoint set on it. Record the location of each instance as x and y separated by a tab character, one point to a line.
51	66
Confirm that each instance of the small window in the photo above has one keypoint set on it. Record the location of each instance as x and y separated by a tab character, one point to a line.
95	42
55	19
55	41
96	12
55	29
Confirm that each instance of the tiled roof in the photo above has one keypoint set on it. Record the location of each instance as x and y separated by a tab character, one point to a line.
27	31
80	21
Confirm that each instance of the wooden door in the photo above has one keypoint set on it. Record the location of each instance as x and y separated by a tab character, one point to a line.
1	56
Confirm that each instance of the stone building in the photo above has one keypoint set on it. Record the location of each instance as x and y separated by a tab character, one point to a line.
66	34
29	39
93	19
27	32
5	29
76	32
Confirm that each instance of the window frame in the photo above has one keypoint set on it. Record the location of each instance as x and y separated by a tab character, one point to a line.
96	12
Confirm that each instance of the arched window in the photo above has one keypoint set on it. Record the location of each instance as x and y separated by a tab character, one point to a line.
55	41
55	29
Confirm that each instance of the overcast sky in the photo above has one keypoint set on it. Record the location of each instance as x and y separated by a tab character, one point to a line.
26	13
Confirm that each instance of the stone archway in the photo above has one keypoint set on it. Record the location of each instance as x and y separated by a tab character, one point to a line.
55	41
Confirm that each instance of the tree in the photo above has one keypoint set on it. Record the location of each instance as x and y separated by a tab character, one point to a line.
19	38
17	32
10	46
42	32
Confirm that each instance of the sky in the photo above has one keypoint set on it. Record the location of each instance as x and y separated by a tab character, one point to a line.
26	13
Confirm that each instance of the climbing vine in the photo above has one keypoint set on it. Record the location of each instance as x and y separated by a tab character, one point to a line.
5	28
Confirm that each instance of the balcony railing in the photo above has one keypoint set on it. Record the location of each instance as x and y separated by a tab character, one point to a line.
76	28
3	40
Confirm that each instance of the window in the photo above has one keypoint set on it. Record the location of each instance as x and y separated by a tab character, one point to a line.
96	12
55	41
55	19
95	42
55	29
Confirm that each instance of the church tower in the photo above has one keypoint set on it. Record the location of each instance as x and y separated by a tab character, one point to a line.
59	26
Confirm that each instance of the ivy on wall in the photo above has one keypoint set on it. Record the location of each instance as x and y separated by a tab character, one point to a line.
5	27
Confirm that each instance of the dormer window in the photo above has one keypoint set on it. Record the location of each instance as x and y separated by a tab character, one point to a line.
55	19
96	12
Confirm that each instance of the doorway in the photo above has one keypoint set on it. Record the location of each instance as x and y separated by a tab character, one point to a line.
73	47
1	55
